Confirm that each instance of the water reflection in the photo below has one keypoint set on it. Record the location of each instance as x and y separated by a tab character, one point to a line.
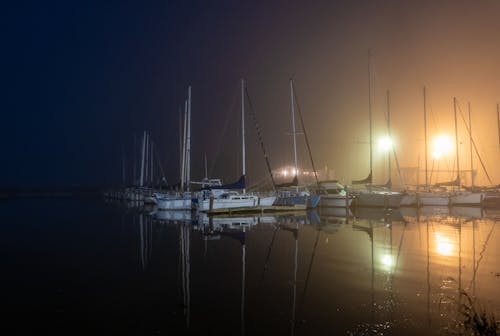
367	271
145	239
443	244
185	260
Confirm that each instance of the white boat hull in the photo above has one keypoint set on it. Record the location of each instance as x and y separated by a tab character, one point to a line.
243	201
174	204
267	201
425	199
335	201
379	199
433	199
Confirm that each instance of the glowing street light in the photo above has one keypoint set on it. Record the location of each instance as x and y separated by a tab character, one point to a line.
385	143
441	146
387	261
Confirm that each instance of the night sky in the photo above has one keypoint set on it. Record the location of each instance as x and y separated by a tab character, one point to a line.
81	78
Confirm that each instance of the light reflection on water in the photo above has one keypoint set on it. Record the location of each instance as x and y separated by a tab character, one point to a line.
323	272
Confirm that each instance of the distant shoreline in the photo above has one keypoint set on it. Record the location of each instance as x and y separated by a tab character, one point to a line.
13	193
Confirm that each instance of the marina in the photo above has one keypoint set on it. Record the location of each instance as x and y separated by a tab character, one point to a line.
251	168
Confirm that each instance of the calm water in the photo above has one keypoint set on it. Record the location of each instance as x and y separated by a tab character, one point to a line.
80	266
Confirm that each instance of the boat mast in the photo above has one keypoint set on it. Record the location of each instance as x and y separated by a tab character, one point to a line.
456	139
183	175
370	112
146	160
134	173
188	141
206	169
389	134
181	172
425	141
471	156
141	181
124	181
152	162
498	118
243	128
294	134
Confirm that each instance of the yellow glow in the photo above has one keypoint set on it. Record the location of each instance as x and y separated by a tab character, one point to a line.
387	260
385	143
443	245
285	172
294	171
441	145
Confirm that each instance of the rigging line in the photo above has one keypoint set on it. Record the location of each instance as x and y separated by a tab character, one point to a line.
432	114
259	135
260	183
467	127
159	164
387	116
224	129
305	136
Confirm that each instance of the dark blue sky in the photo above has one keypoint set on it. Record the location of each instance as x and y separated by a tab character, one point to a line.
82	77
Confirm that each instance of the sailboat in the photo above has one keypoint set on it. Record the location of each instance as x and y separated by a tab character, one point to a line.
462	197
181	200
226	199
435	196
438	195
371	195
289	193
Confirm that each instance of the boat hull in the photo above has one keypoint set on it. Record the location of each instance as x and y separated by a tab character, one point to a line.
174	204
336	201
379	199
246	201
433	199
267	201
425	199
311	201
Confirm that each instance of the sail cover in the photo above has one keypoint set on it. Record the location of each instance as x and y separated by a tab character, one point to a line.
240	184
367	180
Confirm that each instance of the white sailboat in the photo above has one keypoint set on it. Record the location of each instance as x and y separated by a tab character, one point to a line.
221	200
462	197
181	200
371	195
435	196
439	195
290	193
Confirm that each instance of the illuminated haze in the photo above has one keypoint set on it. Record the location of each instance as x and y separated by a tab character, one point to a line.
82	79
